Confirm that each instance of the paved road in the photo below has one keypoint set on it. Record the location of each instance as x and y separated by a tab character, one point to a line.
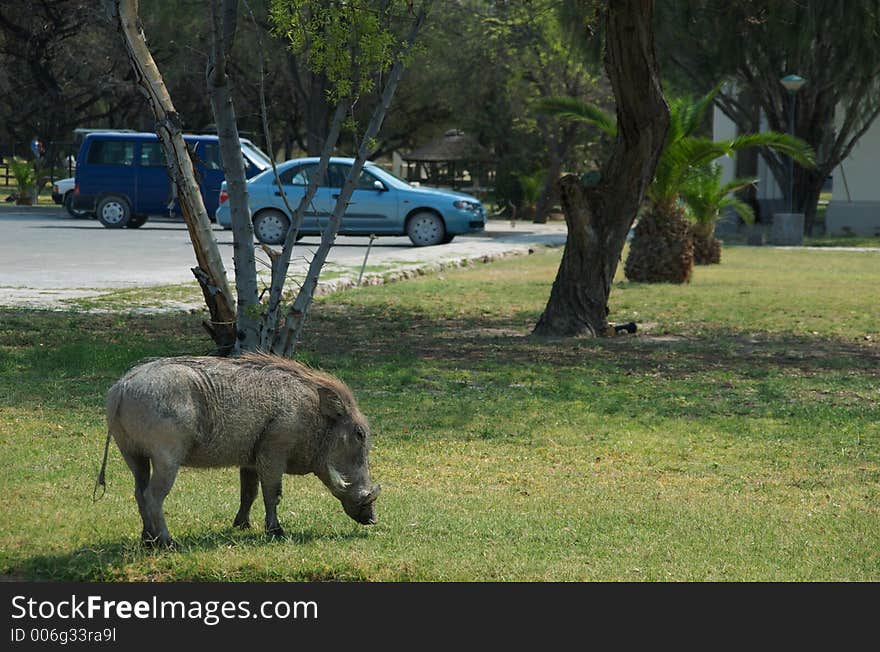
44	253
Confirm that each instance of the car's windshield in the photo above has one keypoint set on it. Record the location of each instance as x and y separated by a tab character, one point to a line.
257	155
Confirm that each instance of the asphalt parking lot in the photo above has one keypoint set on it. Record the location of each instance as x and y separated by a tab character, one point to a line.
46	254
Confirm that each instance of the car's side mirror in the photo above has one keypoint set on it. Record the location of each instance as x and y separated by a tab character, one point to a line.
378	185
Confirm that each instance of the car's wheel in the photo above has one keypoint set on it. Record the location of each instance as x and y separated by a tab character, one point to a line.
137	221
426	229
74	212
114	212
271	227
448	238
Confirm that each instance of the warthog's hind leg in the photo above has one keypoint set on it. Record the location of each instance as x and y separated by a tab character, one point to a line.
140	469
164	474
250	485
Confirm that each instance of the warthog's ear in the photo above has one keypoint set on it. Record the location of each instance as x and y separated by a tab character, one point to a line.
331	404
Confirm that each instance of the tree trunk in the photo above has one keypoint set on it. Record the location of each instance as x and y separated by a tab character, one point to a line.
210	271
289	333
599	217
224	18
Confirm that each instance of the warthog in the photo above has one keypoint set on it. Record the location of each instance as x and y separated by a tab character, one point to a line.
264	414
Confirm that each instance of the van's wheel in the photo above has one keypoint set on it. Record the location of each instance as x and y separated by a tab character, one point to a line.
114	212
426	229
137	221
271	227
74	212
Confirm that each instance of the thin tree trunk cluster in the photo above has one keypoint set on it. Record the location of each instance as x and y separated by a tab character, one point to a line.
250	327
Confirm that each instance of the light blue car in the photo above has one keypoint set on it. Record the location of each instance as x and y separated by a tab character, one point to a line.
381	204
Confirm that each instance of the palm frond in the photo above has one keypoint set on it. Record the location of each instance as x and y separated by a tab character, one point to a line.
572	108
742	209
782	143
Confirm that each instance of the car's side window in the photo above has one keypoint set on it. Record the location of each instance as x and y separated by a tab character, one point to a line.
152	156
210	155
337	173
111	152
366	181
299	175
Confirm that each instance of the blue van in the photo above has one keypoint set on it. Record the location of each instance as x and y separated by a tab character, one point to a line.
122	176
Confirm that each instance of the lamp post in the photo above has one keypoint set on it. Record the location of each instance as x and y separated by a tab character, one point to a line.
792	84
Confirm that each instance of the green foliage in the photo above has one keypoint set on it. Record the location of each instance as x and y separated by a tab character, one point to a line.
684	154
707	197
25	175
349	41
571	108
531	185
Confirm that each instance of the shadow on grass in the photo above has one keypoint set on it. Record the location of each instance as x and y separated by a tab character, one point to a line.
107	560
389	349
377	334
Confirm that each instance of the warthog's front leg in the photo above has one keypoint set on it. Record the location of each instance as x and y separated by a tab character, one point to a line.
250	485
270	472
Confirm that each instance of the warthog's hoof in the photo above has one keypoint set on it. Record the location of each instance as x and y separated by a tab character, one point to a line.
275	532
241	523
158	543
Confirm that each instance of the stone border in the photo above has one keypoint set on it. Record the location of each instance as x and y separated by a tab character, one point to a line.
348	283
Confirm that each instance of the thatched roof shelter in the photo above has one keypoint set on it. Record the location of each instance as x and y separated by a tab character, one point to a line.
454	145
455	159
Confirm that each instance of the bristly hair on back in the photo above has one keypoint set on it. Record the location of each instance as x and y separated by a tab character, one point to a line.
315	376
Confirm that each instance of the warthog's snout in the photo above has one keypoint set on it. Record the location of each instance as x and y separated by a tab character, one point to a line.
362	511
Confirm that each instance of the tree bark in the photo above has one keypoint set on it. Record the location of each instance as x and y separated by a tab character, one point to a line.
210	271
599	216
224	15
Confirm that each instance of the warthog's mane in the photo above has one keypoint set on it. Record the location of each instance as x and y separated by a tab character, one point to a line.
300	370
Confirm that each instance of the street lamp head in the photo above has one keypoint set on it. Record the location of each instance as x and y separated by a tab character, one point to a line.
793	83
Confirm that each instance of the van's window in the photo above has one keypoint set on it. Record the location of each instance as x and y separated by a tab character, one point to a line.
210	155
152	156
300	175
111	152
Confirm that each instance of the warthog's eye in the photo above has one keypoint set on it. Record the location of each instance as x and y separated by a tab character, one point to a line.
360	432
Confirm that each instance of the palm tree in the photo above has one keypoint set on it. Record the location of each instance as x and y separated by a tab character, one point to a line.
706	197
662	248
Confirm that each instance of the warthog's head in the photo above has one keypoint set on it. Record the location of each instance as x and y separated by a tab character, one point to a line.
346	469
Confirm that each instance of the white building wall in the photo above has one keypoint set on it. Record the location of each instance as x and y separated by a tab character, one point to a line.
855	200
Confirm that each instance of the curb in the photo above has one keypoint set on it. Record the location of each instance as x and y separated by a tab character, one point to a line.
348	283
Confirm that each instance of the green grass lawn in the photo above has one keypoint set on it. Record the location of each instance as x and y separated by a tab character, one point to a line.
736	437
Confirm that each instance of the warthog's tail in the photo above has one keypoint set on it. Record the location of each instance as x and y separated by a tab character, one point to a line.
112	409
102	478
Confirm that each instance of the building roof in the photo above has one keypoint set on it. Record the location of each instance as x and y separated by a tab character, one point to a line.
454	145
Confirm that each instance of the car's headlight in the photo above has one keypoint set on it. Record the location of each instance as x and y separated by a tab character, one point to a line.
467	205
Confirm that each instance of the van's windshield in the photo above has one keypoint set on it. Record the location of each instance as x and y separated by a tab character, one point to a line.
258	156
